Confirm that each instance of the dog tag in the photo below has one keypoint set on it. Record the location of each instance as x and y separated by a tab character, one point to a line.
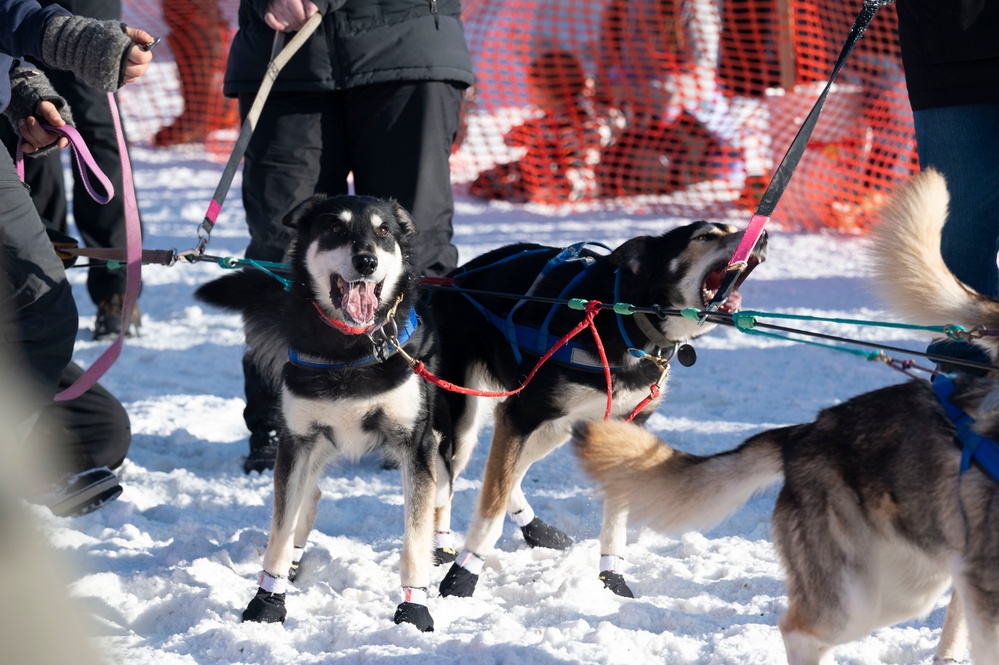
686	355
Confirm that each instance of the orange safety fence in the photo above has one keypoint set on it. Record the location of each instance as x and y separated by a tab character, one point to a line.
683	107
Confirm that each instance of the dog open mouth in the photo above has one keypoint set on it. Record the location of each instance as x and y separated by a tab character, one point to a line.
714	280
360	299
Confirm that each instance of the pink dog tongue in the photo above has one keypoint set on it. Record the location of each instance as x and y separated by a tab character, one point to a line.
360	301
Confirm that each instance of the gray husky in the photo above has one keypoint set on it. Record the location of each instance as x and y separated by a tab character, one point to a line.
875	519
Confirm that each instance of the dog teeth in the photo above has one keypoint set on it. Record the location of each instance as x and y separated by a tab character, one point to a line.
338	288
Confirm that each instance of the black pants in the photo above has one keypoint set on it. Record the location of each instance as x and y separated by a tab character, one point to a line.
395	138
38	316
99	225
38	326
89	431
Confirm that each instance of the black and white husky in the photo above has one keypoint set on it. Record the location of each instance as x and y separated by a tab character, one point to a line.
875	519
491	342
339	343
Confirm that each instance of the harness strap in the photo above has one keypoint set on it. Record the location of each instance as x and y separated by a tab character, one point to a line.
569	353
983	450
620	319
163	257
566	255
592	309
315	362
541	342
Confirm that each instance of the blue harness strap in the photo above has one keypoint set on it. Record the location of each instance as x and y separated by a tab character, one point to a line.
983	450
312	362
569	254
571	353
540	341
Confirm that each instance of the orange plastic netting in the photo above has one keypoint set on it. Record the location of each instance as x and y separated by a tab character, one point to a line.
677	106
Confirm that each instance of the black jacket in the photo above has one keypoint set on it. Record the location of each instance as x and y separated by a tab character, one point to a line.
360	42
950	51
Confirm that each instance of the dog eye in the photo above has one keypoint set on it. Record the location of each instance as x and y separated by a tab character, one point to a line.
381	232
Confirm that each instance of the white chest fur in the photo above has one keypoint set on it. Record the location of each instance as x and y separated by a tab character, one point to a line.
399	410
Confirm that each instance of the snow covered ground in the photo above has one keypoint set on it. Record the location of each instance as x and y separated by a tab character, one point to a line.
163	573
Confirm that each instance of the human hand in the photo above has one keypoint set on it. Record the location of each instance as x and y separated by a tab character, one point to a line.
35	135
138	59
289	15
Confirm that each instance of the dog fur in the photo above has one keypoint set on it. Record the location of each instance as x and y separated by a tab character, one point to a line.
678	269
352	291
874	521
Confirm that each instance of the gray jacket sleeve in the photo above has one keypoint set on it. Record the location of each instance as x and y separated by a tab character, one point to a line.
30	87
96	51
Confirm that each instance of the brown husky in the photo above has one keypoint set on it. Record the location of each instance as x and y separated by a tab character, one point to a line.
875	519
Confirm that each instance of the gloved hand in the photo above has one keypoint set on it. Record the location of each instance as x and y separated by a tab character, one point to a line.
102	53
33	101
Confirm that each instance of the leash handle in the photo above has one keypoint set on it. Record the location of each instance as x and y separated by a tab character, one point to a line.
280	55
782	176
85	162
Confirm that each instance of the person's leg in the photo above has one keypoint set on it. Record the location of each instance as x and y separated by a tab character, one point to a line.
80	441
960	142
38	316
401	136
296	151
90	431
38	325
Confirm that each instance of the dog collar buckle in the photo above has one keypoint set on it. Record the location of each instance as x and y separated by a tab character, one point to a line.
382	343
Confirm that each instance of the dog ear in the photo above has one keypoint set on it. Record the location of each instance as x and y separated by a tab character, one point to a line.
299	212
629	255
405	220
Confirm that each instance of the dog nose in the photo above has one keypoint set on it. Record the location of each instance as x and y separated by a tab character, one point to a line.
365	263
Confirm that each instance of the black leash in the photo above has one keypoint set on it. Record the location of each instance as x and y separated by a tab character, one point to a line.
782	176
730	320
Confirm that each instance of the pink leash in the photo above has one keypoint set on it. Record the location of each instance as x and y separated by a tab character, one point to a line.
133	243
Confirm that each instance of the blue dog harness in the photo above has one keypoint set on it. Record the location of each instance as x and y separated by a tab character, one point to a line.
313	362
540	341
983	450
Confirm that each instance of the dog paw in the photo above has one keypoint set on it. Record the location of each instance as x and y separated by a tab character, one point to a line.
444	555
296	562
458	582
418	615
539	534
615	582
266	607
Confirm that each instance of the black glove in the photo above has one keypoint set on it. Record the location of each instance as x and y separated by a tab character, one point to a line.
96	51
30	87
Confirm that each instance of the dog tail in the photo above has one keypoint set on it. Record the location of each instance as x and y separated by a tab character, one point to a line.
241	291
670	490
260	299
911	276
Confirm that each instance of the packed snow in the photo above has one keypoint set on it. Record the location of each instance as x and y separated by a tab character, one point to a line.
161	576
